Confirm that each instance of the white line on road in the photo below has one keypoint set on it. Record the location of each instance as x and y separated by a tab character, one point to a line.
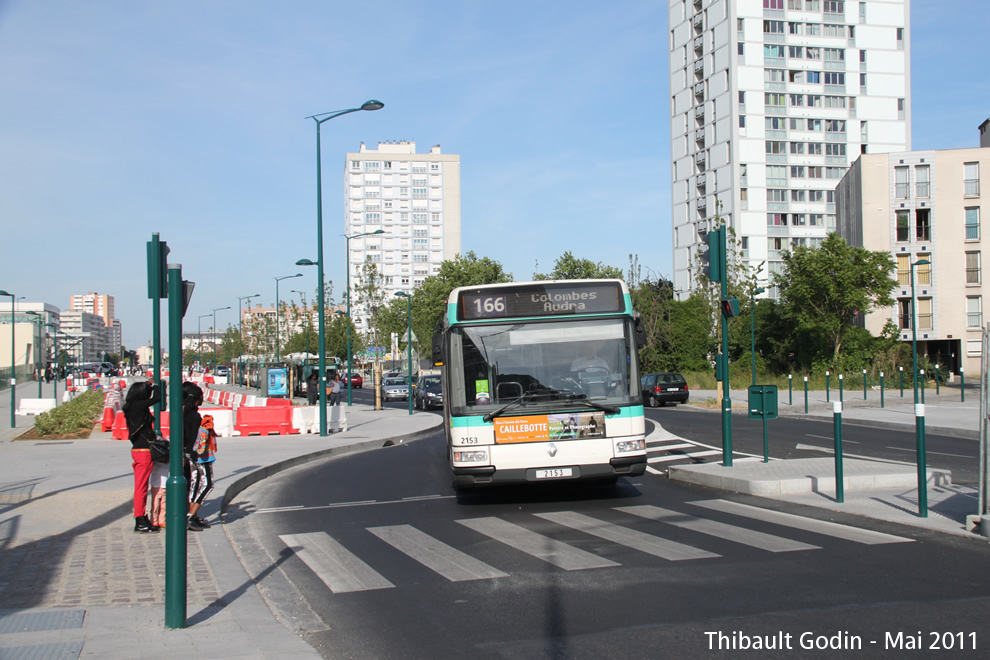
653	545
742	535
837	530
342	505
674	457
829	450
929	451
434	554
537	545
824	437
336	566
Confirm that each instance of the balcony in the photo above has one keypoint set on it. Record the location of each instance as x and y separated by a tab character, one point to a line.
699	66
698	22
702	203
700	157
699	43
699	112
699	135
777	206
775	110
835	89
699	90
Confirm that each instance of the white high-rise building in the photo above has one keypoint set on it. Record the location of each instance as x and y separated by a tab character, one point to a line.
771	100
415	201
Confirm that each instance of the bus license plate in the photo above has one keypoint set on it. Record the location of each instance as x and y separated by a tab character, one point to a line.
555	473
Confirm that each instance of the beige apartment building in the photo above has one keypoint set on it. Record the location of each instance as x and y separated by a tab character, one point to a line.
926	206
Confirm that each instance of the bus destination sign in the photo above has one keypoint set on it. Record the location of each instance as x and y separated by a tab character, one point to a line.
563	299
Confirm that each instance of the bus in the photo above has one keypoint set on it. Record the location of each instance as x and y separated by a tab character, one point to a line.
541	382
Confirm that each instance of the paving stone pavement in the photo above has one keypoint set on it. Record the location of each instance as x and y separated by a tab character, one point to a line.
110	565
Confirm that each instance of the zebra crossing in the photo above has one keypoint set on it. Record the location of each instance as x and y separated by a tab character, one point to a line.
344	572
664	448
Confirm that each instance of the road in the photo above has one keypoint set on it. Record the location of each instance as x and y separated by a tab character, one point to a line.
699	434
375	556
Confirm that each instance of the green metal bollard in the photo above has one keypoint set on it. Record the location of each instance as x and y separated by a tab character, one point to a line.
176	500
881	389
840	388
938	386
902	382
919	426
921	379
805	395
962	385
790	389
837	430
828	390
864	384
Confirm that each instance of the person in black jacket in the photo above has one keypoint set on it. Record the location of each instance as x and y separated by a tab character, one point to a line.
192	399
141	427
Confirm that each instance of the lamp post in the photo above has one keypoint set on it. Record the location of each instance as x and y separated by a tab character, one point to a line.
277	280
215	335
13	377
199	337
322	348
919	410
347	265
403	294
240	321
752	326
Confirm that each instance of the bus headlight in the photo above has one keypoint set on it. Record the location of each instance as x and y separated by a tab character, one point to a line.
625	446
470	456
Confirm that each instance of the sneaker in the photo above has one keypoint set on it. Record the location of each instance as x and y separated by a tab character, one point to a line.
143	526
193	526
202	523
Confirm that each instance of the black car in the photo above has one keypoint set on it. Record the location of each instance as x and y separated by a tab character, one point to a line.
663	388
428	393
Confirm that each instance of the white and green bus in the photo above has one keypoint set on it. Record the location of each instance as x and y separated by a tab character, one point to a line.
541	382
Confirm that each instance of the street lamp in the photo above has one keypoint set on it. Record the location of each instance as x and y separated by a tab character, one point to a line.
919	411
403	294
752	326
215	335
322	350
199	337
347	265
277	280
13	376
240	322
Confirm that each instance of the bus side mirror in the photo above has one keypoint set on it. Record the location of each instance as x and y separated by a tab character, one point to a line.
640	333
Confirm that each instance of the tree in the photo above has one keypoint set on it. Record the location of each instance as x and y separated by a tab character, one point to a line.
652	298
429	303
823	289
569	267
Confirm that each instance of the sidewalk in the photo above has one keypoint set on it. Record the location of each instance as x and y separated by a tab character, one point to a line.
879	490
74	575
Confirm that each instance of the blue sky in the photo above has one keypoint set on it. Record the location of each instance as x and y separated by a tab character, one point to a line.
119	119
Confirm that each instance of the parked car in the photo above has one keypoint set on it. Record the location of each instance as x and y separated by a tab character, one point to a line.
428	393
357	381
395	388
662	388
222	370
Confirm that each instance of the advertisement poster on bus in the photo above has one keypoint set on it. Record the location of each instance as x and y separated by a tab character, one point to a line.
546	428
278	381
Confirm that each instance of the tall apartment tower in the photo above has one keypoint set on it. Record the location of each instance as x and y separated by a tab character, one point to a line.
770	102
415	200
95	303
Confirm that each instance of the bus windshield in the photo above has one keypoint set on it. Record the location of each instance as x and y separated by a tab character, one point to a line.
542	365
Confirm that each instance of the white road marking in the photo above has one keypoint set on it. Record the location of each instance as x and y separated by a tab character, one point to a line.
336	566
674	457
936	453
714	528
537	545
825	527
434	554
631	538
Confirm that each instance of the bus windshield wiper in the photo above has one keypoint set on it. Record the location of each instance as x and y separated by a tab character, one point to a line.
501	410
611	410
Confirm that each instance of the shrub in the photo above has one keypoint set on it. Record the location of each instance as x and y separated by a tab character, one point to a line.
72	417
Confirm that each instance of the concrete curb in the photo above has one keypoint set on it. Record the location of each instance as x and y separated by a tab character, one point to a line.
252	478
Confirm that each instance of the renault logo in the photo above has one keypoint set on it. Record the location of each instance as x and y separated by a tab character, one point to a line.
552	450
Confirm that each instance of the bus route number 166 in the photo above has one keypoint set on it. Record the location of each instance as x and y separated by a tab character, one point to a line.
489	306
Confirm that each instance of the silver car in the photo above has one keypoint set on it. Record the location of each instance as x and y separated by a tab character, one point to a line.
395	388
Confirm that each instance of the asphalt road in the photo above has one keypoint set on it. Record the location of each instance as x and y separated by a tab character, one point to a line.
375	556
793	437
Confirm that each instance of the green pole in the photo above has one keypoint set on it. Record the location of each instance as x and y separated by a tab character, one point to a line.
962	385
902	382
922	381
790	389
938	387
919	426
881	389
837	428
840	388
409	348
864	384
726	389
805	395
176	501
156	288
828	390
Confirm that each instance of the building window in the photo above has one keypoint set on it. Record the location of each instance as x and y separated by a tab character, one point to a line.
974	312
742	121
903	226
773	4
925	315
904	269
740	48
973	275
901	184
797	147
971	179
922	224
900	37
922	179
973	223
923	272
772	50
835	7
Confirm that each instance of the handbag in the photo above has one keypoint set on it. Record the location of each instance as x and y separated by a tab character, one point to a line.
159	448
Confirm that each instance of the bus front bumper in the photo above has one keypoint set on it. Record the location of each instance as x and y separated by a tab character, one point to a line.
630	466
